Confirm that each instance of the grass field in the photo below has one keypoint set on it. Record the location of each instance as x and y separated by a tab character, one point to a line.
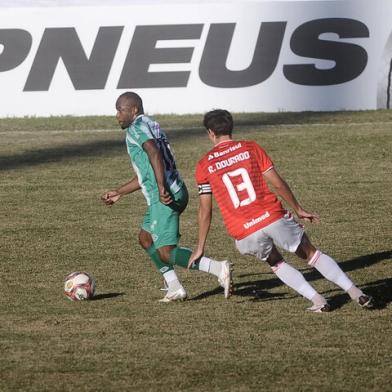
53	172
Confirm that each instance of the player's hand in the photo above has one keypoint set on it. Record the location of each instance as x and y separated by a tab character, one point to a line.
109	198
195	256
308	216
164	196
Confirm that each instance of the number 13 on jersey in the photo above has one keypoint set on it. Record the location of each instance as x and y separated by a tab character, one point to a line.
244	185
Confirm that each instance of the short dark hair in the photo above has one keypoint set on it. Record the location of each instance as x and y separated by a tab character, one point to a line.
219	121
133	99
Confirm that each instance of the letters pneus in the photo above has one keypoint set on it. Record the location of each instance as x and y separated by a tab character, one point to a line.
91	71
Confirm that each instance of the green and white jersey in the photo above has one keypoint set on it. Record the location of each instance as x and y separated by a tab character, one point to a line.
140	131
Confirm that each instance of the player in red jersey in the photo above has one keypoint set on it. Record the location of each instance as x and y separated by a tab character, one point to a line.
235	172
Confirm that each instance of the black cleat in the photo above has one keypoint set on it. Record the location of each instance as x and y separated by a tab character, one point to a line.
365	301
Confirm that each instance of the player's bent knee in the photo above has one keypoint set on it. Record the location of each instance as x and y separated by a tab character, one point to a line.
145	239
305	249
274	257
164	253
144	244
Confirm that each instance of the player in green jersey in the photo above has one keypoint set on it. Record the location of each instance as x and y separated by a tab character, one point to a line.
166	196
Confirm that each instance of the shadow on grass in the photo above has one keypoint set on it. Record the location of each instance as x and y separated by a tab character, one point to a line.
253	291
365	261
66	152
56	154
380	290
190	128
41	156
99	297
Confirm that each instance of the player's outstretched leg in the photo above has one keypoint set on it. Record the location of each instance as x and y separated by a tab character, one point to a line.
221	269
330	269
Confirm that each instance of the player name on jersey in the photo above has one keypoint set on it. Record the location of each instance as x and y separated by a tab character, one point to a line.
242	156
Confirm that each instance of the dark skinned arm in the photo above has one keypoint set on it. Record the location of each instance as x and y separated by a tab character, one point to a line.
156	160
111	197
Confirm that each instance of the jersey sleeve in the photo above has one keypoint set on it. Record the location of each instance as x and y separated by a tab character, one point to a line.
142	133
263	159
203	185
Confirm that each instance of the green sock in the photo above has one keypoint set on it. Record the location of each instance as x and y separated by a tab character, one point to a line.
180	256
154	256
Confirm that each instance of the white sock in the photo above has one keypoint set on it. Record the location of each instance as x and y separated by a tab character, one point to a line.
210	265
354	292
171	280
204	264
330	270
294	279
319	300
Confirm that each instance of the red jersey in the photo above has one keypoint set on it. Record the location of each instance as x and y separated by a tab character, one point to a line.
232	171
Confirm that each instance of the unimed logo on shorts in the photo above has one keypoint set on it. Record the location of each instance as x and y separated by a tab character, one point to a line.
90	71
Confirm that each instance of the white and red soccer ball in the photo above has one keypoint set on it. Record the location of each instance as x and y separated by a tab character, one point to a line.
79	286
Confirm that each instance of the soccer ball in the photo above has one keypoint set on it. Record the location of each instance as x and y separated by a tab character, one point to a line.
79	286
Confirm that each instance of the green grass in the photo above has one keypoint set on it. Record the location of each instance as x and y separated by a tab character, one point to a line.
53	172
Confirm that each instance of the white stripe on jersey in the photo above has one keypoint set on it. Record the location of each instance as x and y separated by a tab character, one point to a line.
265	171
142	186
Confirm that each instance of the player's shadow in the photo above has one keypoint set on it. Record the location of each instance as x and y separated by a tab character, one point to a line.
365	261
98	297
257	290
380	290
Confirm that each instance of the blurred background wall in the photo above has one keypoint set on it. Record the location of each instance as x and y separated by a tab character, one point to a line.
76	57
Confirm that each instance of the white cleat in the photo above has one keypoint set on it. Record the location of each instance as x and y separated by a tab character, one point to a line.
324	308
225	278
165	286
177	295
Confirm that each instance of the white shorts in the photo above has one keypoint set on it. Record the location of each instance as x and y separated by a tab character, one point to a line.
285	233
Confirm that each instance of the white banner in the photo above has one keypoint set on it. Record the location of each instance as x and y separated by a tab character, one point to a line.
245	56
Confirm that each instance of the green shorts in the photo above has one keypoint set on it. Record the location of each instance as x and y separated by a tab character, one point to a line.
163	221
